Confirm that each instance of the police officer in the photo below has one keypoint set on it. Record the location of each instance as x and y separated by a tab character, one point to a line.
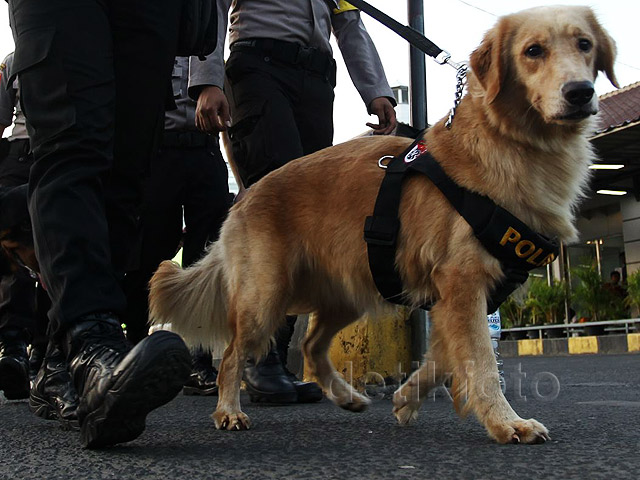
17	287
93	79
188	179
23	301
279	84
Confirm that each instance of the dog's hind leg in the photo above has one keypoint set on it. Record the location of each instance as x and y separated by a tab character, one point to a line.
228	414
245	341
460	322
316	352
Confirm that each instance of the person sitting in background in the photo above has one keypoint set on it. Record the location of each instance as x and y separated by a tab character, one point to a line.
614	285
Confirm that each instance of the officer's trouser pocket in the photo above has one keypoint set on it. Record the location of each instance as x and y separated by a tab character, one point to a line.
43	86
251	141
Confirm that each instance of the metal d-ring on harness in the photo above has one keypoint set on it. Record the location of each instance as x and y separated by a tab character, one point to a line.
422	43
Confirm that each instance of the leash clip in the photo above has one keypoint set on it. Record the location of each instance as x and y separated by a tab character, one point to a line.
444	57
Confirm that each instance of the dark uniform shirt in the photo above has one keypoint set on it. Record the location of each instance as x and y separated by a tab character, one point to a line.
183	118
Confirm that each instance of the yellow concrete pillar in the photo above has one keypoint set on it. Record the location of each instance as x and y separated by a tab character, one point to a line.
580	345
373	348
633	341
532	346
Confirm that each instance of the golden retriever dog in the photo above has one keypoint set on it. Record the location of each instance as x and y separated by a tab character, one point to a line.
294	244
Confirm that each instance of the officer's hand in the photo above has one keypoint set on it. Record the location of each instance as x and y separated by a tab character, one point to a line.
212	110
383	109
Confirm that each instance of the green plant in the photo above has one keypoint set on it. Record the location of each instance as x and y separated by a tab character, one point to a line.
513	311
591	297
633	290
546	302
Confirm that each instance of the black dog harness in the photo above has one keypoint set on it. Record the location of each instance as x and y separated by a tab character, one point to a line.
517	247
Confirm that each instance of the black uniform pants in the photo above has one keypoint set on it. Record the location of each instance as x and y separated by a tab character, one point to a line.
17	288
281	112
93	78
189	181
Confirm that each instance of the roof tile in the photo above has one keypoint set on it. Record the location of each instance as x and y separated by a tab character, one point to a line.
619	108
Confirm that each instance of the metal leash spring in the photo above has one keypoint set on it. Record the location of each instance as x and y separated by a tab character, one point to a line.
461	81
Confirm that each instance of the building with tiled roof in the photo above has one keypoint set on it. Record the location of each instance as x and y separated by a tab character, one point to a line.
619	108
609	220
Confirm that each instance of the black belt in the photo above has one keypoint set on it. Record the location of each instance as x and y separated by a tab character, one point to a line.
19	146
188	139
307	58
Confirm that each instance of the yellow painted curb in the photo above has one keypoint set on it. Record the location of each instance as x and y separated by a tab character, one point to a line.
579	345
530	347
633	341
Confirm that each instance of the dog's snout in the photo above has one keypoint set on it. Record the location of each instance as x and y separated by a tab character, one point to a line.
578	93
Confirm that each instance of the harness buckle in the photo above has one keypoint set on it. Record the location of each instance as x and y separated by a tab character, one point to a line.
381	230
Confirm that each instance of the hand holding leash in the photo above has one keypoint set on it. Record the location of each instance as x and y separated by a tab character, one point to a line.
387	122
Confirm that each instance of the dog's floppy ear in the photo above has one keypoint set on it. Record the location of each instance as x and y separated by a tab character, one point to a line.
487	61
605	50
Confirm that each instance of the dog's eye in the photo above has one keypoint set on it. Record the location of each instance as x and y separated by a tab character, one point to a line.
585	45
534	51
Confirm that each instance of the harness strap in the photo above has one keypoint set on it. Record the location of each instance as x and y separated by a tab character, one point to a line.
381	233
507	238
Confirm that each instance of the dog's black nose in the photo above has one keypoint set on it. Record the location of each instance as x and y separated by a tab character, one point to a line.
578	93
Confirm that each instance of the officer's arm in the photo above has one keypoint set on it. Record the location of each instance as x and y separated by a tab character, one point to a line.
206	80
365	68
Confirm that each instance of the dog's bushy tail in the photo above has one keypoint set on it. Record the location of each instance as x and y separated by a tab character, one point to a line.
193	301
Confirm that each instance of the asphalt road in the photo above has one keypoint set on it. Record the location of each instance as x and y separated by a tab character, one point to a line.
591	405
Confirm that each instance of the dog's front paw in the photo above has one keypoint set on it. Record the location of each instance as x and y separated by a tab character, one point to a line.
521	431
231	421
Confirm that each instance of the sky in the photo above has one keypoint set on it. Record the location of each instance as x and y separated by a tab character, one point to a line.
456	26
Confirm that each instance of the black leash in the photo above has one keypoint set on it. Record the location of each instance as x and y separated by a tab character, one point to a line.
412	36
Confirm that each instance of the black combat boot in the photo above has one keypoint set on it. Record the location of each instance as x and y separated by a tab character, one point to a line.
308	392
203	375
36	358
119	385
266	381
53	396
14	364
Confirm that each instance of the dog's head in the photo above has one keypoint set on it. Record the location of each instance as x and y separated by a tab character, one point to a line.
547	58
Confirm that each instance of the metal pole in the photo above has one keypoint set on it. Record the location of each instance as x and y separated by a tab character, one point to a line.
418	72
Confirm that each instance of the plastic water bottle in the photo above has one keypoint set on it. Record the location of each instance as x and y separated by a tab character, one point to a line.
495	330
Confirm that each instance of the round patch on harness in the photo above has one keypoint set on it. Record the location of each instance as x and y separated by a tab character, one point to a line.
416	151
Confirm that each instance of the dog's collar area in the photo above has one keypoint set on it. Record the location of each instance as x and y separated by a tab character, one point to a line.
507	238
